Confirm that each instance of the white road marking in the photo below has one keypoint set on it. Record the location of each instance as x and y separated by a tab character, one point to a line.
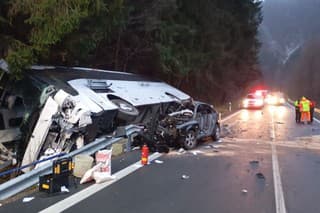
315	119
87	192
278	190
232	115
233	123
272	132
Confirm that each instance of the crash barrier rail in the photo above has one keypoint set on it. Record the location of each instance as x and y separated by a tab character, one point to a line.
31	178
28	179
130	131
29	165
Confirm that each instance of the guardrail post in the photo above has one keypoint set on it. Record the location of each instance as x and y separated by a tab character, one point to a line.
128	145
220	122
230	106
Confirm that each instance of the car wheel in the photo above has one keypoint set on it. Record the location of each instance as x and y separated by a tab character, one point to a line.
216	133
126	111
190	140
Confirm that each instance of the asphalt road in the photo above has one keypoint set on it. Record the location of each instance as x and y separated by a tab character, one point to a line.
265	163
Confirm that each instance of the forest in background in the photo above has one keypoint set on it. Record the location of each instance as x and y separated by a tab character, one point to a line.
302	74
207	48
290	37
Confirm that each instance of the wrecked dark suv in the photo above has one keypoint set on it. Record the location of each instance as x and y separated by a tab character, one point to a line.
185	127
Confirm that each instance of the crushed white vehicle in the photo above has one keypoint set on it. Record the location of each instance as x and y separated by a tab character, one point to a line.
59	109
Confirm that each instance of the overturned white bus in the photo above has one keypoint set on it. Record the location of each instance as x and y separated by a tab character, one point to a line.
59	109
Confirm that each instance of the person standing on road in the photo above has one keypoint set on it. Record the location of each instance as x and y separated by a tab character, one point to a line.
312	106
305	107
298	112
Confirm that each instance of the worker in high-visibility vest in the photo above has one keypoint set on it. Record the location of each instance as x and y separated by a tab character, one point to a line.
305	109
298	113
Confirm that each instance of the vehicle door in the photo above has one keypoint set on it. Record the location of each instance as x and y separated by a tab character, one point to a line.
201	118
212	120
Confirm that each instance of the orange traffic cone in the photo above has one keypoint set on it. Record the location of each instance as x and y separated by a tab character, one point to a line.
144	154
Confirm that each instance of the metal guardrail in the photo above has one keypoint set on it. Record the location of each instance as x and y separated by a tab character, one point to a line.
31	178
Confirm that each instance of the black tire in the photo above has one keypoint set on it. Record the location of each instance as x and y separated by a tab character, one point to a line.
190	140
126	111
216	134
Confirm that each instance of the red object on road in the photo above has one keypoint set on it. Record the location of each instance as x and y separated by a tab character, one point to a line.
144	154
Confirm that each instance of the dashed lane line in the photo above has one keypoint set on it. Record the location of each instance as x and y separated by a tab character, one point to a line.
231	116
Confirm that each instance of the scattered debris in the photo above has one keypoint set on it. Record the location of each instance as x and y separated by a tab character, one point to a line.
64	189
182	151
196	152
278	122
244	191
158	161
219	141
135	148
243	130
254	162
27	199
209	146
260	176
185	177
215	150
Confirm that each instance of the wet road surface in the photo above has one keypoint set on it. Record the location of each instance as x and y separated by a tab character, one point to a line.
265	163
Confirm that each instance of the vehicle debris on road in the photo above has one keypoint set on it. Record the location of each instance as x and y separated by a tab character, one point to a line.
260	176
135	148
254	162
181	151
185	177
64	189
158	161
209	146
244	191
27	199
